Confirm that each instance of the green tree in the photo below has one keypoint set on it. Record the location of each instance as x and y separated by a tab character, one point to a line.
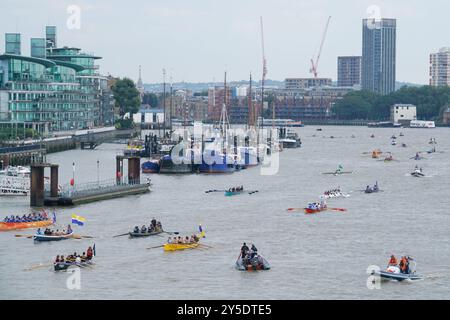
151	99
126	96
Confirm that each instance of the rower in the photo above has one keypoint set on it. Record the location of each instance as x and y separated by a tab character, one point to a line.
83	257
143	229
61	259
368	190
69	229
187	240
57	259
136	229
169	240
154	223
89	253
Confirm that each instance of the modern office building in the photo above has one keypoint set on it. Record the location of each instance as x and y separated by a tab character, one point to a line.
12	43
440	68
53	89
378	55
349	71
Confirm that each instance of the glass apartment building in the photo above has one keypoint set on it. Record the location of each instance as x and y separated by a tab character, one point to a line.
54	89
378	55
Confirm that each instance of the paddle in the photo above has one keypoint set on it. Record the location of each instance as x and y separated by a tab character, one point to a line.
156	247
121	235
78	236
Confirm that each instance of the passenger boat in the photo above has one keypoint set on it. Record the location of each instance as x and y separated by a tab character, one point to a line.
145	234
6	226
60	266
254	264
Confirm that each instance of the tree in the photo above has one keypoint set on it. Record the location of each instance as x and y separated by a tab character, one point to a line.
126	96
151	99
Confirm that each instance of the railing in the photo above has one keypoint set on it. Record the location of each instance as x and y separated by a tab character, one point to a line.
101	186
19	149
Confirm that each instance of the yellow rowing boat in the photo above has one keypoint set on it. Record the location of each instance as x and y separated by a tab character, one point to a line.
184	246
180	246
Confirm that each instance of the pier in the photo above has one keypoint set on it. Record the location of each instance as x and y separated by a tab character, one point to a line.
74	194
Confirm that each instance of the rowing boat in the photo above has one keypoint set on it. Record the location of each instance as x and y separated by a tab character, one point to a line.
311	211
43	237
6	226
338	172
254	264
60	266
335	195
145	234
180	246
232	193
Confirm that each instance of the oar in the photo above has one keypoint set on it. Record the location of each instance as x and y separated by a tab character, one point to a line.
252	192
201	244
78	236
171	232
337	209
214	191
120	235
156	247
23	236
37	266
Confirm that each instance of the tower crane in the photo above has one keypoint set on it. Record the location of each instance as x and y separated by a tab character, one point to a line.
314	64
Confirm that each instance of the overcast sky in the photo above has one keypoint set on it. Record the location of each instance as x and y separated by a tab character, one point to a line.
196	40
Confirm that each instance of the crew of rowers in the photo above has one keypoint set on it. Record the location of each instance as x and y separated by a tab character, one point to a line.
49	232
248	254
333	192
155	226
187	240
389	157
403	265
76	258
32	217
373	189
317	205
236	189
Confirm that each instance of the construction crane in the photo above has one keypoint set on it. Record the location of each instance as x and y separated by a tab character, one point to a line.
314	64
264	65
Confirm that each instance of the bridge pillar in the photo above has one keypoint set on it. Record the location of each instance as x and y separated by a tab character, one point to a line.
54	181
37	185
134	169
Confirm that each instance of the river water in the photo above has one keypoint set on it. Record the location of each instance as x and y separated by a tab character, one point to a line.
322	256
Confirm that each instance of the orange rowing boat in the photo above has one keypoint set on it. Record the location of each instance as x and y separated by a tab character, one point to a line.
7	226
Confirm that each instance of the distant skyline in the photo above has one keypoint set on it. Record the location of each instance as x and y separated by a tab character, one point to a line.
197	40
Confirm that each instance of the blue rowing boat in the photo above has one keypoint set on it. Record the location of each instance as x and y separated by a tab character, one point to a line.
43	237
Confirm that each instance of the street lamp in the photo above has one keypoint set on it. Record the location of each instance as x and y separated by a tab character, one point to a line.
98	174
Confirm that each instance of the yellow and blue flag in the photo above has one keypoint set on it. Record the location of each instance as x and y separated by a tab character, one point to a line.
78	220
202	233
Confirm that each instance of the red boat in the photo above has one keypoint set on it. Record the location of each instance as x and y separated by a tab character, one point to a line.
311	211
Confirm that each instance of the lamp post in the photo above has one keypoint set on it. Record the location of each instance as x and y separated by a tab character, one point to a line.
98	173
